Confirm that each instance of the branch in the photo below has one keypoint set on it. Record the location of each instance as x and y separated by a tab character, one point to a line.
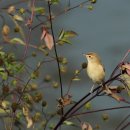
70	111
125	126
122	121
55	49
29	24
106	109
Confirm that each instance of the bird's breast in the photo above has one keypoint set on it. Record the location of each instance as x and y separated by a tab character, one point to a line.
96	72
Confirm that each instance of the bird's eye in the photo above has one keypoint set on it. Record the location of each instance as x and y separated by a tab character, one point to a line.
89	56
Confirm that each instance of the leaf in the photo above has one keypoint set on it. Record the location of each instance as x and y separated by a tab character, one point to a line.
47	38
65	41
55	1
117	97
126	79
64	37
18	18
69	123
49	41
17	41
86	126
11	9
69	34
116	89
44	32
113	95
39	10
127	67
5	104
5	30
66	100
28	118
61	34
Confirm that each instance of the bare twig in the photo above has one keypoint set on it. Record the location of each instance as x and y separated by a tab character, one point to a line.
56	54
122	121
30	20
100	110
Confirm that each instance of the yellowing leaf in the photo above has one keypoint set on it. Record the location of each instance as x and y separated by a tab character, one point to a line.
47	38
2	111
18	18
113	95
5	104
86	126
127	67
28	118
11	9
5	30
49	41
117	97
17	41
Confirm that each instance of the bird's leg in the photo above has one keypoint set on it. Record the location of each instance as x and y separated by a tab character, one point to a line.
92	88
102	87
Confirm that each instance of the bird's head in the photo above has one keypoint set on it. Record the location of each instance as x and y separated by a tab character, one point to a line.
92	57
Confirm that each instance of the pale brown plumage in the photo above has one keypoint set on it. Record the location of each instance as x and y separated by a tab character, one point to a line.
95	69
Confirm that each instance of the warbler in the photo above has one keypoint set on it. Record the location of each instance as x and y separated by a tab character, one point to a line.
95	68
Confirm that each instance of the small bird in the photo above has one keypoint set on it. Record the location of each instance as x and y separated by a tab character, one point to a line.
95	68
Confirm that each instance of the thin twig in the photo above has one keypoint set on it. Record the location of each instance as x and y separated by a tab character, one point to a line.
122	121
100	110
30	30
56	54
71	80
125	126
127	53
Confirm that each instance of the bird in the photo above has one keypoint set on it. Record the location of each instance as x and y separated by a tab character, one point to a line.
95	68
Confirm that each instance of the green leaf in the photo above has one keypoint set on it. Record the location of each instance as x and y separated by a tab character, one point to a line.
52	126
69	123
55	1
2	69
64	41
39	10
2	111
61	34
69	34
17	41
4	75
